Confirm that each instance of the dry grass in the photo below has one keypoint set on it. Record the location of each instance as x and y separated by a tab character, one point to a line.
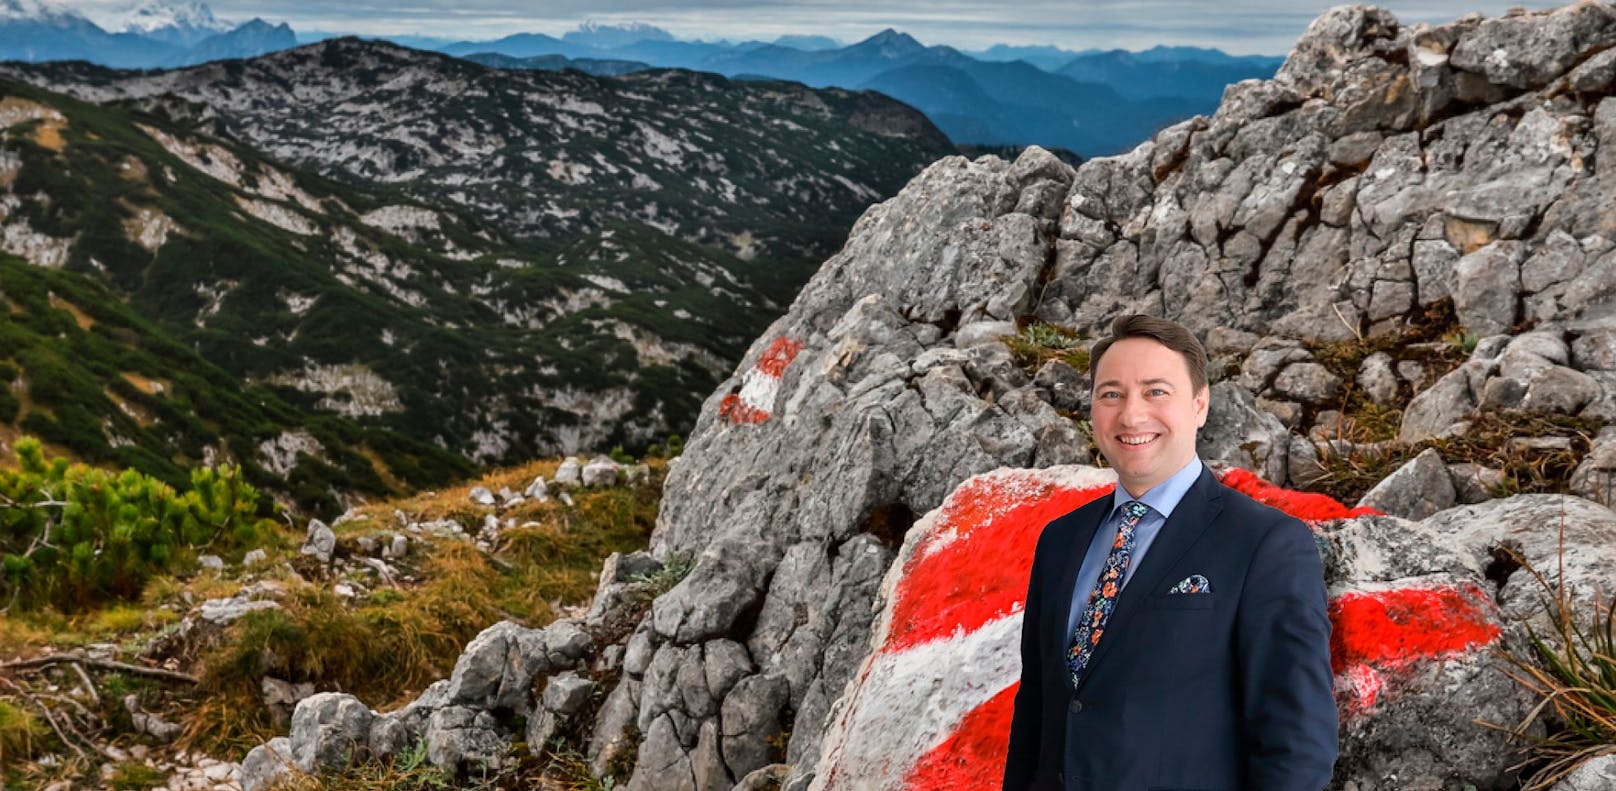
1488	443
1039	343
1573	673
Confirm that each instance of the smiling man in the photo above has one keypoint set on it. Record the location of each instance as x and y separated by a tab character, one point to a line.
1175	635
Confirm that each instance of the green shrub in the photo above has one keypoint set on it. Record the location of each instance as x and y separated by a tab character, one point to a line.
72	535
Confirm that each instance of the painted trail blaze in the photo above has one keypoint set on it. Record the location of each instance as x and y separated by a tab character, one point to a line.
1379	633
967	578
759	386
975	569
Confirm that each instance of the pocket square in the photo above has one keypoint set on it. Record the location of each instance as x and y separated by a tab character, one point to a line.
1194	583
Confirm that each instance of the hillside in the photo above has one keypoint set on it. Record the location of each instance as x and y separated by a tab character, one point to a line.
544	155
389	305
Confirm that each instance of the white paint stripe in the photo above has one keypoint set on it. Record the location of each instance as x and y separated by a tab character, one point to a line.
909	702
758	390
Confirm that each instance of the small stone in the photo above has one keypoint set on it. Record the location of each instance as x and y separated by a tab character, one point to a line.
570	472
600	472
481	496
211	562
537	490
400	546
1377	379
1413	372
1309	383
1418	489
320	542
980	332
1528	444
343	590
1288	412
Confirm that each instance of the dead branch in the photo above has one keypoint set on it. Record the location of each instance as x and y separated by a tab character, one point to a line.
77	658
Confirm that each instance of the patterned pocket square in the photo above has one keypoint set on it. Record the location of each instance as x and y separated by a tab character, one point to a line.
1194	583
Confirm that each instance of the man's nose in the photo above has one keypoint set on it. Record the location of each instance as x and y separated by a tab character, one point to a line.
1132	410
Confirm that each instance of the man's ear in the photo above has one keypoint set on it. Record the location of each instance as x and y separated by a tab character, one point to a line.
1203	401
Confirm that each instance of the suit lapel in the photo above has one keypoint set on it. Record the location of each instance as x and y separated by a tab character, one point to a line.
1191	518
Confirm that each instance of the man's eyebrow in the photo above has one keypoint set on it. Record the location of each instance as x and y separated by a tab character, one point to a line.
1118	383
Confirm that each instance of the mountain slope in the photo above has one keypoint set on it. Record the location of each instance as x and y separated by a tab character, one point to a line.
547	155
395	312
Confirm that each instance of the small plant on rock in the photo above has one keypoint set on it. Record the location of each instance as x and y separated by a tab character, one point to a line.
1573	671
1039	343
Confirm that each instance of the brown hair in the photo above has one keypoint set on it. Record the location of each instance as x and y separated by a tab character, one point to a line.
1166	332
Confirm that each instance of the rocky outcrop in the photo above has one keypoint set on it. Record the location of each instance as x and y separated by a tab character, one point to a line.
1405	218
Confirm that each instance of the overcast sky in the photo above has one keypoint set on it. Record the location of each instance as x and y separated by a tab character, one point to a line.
1237	26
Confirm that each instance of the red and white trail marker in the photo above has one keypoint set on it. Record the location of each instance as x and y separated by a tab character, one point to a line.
754	401
930	708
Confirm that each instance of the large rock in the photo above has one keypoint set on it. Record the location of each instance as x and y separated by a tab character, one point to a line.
1416	490
1240	433
330	730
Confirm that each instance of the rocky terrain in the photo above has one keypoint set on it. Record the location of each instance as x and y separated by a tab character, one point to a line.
1398	254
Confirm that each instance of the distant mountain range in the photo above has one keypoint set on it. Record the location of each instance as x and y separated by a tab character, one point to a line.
155	34
1090	102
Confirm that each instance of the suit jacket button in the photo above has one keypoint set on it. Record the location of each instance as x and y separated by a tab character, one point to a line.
1076	706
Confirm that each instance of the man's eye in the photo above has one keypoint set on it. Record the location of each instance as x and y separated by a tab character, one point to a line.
1157	392
1110	394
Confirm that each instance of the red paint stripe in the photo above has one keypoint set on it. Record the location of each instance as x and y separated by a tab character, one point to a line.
1306	506
973	757
1391	629
733	409
982	574
779	355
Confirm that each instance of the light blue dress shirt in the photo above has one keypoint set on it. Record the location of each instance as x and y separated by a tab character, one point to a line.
1161	499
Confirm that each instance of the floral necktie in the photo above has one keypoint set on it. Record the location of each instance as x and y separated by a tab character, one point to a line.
1104	596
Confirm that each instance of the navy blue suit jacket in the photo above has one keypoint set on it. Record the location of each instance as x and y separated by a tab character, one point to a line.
1223	690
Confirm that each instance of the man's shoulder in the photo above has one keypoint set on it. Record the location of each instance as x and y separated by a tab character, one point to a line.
1064	526
1241	512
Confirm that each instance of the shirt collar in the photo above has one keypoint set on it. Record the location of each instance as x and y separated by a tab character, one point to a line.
1165	496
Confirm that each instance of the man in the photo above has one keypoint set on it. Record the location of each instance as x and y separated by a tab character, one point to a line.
1175	634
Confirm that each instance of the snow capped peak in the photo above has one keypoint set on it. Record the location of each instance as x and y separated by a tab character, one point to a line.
46	11
600	34
153	15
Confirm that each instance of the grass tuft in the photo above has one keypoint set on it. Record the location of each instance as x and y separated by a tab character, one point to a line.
1573	672
1039	343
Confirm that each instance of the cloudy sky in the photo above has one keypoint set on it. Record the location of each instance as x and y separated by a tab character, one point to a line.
1238	26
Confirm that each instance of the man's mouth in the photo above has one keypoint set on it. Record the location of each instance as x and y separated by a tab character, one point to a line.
1136	439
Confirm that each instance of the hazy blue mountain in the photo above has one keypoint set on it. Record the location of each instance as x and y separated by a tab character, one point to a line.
1137	77
518	45
596	66
33	31
1203	54
250	40
1004	104
808	43
1046	58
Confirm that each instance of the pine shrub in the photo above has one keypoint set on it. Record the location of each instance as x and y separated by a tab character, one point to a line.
72	535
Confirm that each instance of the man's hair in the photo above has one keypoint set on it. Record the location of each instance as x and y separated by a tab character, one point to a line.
1166	332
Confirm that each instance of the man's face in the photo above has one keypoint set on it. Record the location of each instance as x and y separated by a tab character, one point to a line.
1145	412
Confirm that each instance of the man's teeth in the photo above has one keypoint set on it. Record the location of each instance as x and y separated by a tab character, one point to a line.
1135	440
